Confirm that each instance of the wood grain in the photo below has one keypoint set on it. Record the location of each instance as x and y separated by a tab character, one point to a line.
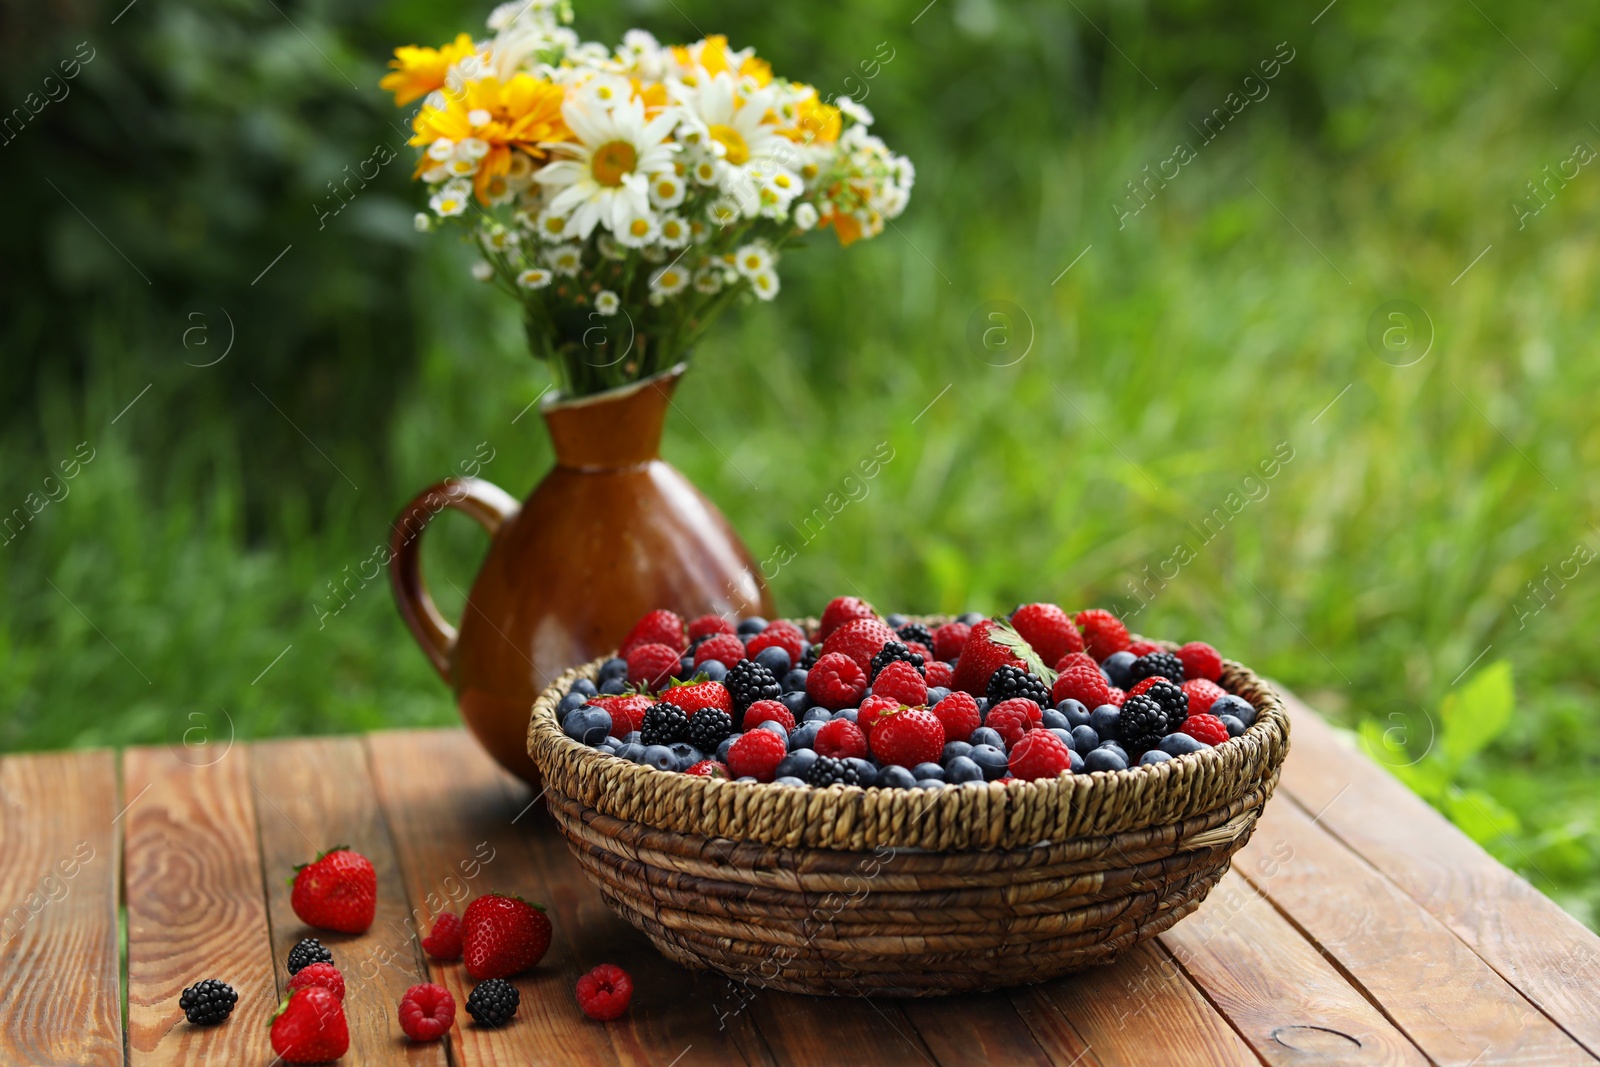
1276	989
313	794
847	1031
59	994
1553	959
987	1029
195	906
1449	1002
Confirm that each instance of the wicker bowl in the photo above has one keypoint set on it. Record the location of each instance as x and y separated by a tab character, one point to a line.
908	892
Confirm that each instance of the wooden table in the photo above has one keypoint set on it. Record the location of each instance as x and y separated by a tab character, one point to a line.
1357	927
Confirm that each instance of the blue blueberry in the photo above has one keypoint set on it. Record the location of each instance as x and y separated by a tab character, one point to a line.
774	659
1077	763
1085	738
727	743
685	669
1155	755
613	687
1065	736
1076	713
962	769
971	618
952	749
928	770
796	763
1104	719
795	680
983	735
630	751
1054	720
1119	668
748	778
1117	748
847	713
928	783
584	686
751	626
991	759
896	620
1238	707
1181	745
1105	759
866	771
615	667
797	703
634	737
686	755
896	777
775	727
660	757
588	724
937	693
714	670
1234	725
789	780
817	715
983	707
804	735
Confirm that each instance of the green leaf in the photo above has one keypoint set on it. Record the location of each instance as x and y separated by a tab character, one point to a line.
1480	816
1477	713
1005	635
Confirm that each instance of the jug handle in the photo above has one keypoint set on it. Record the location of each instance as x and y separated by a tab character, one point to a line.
485	502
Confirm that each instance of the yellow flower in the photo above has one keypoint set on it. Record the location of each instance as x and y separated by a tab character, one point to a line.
419	71
712	56
815	123
517	115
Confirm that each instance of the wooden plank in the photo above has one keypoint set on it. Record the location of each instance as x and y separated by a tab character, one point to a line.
1449	1002
195	906
1550	957
978	1029
60	1001
1277	990
452	812
847	1031
1140	1010
313	794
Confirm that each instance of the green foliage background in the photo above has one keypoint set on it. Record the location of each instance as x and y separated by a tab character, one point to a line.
1384	568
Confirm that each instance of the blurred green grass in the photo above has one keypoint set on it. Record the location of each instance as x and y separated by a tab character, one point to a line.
176	586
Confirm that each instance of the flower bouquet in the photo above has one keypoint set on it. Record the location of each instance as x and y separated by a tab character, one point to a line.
627	196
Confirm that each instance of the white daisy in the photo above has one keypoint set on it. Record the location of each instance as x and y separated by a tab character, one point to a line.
435	174
752	259
564	259
666	190
851	109
605	176
482	271
473	148
440	150
805	216
723	211
609	247
674	231
708	279
534	278
606	90
765	284
637	230
732	126
551	226
705	170
422	221
607	303
498	239
451	199
669	279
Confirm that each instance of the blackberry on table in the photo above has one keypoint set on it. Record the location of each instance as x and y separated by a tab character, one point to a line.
209	1002
1008	681
828	771
915	631
892	651
664	724
1163	663
708	727
494	1002
306	952
748	682
1140	725
1173	701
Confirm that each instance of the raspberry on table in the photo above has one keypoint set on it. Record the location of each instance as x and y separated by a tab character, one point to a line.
726	649
1200	660
427	1011
1206	728
1075	659
325	975
605	992
706	625
907	737
1083	684
939	673
444	943
860	639
651	664
901	680
661	627
950	639
1040	754
1010	720
208	1002
1202	694
1103	632
842	739
841	610
767	711
708	768
756	755
958	714
493	1002
779	634
836	681
874	708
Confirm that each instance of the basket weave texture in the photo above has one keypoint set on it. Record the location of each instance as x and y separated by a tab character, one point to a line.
898	892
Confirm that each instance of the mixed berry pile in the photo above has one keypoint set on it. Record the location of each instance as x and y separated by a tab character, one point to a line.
885	702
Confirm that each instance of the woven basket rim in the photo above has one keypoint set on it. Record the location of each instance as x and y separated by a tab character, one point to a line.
765	813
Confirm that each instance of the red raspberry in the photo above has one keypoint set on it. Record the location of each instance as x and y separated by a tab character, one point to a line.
907	737
1047	628
1041	754
659	627
1116	697
780	634
922	650
328	977
841	739
980	658
627	713
708	768
768	711
693	696
939	674
650	665
1144	684
836	681
901	681
874	708
841	610
427	1012
1074	659
1084	684
950	639
1103	633
604	992
445	941
706	625
756	755
1200	660
1010	719
1207	728
1202	694
860	639
958	714
724	648
1143	648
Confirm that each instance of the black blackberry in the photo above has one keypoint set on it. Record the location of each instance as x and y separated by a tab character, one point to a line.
812	654
708	727
829	771
494	1002
664	724
209	1002
748	682
892	651
306	952
1141	724
1173	701
915	631
1008	681
1163	663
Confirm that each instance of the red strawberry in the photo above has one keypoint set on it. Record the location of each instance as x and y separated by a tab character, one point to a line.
958	714
427	1011
950	639
1083	684
1200	660
604	992
836	681
692	696
504	936
627	712
841	610
1202	694
1103	632
706	625
651	664
860	639
325	975
1047	628
659	627
1206	728
1143	648
445	941
1041	754
1073	659
841	739
980	658
780	634
310	1027
708	768
874	708
901	681
724	648
756	755
907	737
1010	720
939	674
768	711
336	891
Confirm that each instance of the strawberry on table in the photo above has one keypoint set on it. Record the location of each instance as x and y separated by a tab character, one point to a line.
1048	629
337	891
504	935
310	1027
980	658
907	737
693	695
627	712
651	664
1103	632
659	627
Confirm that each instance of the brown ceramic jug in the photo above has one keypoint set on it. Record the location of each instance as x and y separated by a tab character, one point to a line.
610	533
